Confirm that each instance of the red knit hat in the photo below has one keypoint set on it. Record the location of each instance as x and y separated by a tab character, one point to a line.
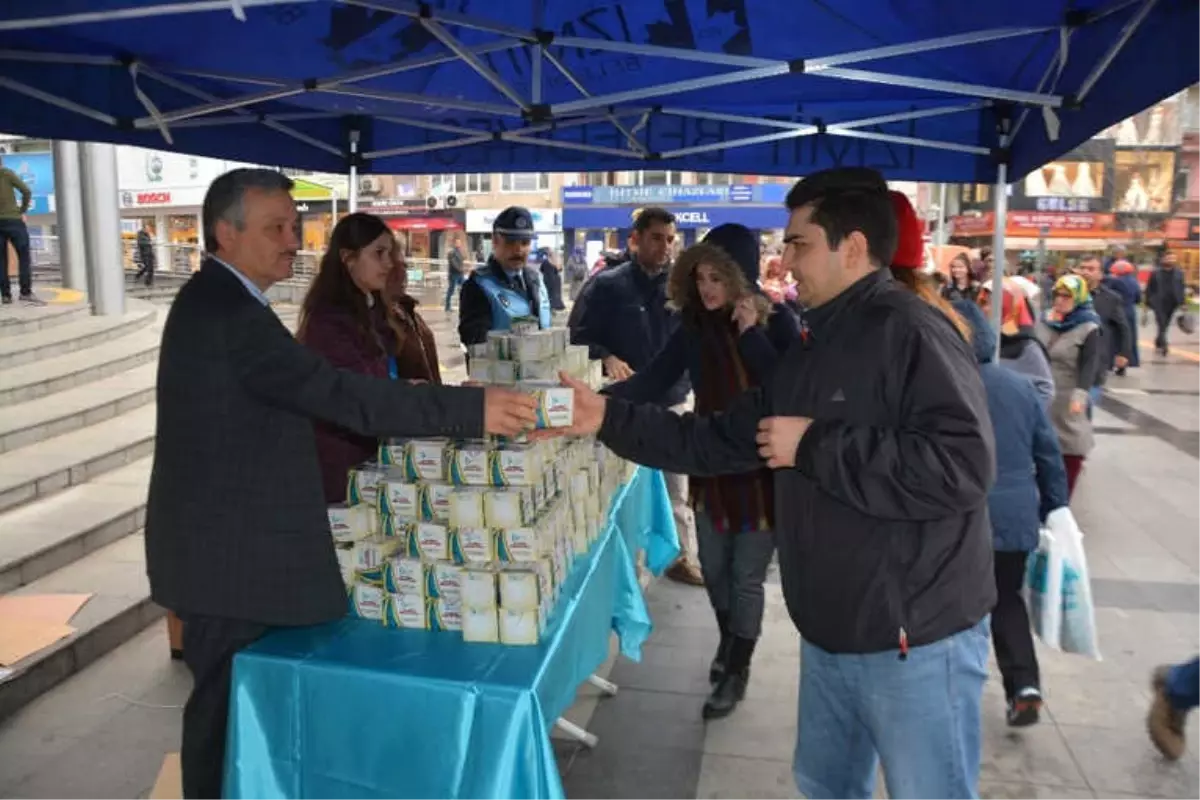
910	233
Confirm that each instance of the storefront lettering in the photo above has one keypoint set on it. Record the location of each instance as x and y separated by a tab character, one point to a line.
153	198
691	217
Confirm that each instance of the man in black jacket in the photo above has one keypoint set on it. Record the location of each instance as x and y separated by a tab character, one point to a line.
877	428
624	321
237	536
1117	339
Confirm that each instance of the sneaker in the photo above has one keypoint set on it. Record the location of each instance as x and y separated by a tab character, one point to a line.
684	572
1120	372
32	300
1165	722
6	300
1025	708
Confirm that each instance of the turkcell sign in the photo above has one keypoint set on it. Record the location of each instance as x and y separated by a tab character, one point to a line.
690	218
577	194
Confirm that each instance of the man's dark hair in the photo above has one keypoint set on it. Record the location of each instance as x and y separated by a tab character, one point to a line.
846	200
225	196
652	215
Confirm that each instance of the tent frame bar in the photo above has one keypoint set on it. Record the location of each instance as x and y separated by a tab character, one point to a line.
471	60
1127	31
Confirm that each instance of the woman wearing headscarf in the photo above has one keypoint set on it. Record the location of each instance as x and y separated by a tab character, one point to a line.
1070	332
729	340
1020	349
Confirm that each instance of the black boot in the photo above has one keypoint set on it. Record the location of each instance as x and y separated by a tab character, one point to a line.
716	670
732	688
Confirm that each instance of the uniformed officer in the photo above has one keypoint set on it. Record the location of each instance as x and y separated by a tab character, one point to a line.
506	288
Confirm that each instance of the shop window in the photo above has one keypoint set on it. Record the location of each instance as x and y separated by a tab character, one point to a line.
524	182
470	183
599	179
659	178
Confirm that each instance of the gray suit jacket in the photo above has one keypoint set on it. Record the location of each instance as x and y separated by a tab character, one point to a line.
236	524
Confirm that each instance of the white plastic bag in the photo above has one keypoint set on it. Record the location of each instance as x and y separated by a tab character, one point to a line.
1078	632
1043	589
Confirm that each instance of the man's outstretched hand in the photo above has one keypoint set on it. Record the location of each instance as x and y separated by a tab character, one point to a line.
508	413
588	415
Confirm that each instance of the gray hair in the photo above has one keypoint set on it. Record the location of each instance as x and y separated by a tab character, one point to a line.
225	198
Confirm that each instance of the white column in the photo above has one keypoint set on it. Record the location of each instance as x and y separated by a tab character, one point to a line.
68	201
1001	223
353	199
102	220
943	215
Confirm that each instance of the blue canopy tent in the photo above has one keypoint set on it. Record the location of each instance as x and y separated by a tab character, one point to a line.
936	90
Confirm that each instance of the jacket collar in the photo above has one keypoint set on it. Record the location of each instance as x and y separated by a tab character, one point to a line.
823	321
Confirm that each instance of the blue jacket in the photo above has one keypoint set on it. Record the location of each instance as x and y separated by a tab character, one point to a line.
1031	480
626	316
1127	287
760	347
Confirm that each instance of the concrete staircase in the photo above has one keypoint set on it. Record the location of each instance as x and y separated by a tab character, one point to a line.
76	435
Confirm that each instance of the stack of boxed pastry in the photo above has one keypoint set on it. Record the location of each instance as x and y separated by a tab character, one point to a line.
478	536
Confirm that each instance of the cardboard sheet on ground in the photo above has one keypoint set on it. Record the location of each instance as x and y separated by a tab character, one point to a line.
20	638
58	608
169	785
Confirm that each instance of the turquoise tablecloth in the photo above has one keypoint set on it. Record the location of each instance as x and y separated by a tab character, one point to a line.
352	709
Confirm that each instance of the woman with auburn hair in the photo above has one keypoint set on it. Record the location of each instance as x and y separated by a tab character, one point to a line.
961	284
908	264
345	317
729	339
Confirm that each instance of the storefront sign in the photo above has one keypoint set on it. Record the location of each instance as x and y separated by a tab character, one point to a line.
481	220
621	218
423	223
1025	222
767	193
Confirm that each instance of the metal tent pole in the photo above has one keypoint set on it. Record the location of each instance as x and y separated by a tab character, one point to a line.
352	200
68	203
102	220
1001	223
941	237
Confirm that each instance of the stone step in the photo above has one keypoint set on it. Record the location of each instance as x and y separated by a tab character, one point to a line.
38	471
24	424
16	320
120	608
39	379
47	534
73	336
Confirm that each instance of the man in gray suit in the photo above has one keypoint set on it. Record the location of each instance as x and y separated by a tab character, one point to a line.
237	537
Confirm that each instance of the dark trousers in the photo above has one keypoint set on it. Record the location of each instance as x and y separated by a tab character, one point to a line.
209	645
14	231
453	281
146	268
1011	635
735	567
1162	318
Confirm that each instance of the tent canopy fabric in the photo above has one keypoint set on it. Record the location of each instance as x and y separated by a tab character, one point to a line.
937	90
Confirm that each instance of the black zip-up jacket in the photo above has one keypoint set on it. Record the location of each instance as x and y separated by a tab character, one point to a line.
1114	328
882	525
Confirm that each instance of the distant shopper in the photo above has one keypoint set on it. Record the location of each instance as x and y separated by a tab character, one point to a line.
576	273
1164	295
551	278
506	288
1114	326
14	232
146	257
1020	349
456	272
1122	279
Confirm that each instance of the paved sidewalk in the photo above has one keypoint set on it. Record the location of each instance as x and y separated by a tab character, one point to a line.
104	732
